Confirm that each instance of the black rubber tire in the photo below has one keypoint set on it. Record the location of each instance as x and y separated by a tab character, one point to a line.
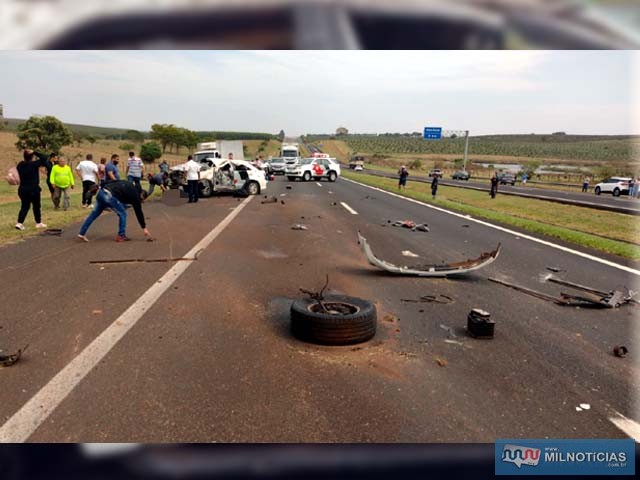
333	176
616	192
597	191
327	329
306	177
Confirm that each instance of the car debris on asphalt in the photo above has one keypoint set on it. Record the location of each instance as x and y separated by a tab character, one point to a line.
590	298
56	232
299	226
555	269
441	362
288	187
620	351
411	225
443	299
443	270
10	360
269	200
148	260
409	253
480	324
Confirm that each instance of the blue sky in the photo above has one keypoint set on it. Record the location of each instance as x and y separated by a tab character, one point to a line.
312	92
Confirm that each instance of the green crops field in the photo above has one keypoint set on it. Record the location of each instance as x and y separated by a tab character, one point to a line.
583	148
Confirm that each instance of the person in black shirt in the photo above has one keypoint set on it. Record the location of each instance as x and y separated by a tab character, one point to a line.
434	185
53	159
494	186
29	189
116	195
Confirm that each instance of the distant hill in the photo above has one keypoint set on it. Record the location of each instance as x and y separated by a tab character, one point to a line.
89	129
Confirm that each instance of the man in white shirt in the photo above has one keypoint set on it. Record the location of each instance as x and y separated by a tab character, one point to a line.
88	172
193	175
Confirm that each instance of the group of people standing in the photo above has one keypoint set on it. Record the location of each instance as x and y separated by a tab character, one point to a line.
98	180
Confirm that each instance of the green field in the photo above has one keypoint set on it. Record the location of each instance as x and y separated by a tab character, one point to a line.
588	150
605	231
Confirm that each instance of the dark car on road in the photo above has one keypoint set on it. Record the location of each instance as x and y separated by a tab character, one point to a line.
507	179
461	175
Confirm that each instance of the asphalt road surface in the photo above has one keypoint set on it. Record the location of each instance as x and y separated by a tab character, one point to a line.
622	204
200	350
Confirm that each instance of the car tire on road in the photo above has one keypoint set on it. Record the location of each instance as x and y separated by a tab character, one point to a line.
306	177
616	192
332	176
326	329
253	188
597	191
206	189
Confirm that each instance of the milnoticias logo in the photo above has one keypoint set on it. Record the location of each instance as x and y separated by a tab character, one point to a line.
521	455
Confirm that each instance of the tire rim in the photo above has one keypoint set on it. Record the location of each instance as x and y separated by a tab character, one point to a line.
334	307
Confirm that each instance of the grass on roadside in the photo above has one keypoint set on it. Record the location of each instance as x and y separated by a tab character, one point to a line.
10	205
578	225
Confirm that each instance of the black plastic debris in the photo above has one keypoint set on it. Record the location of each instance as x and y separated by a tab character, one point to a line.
288	187
620	351
56	232
10	360
555	269
270	200
480	324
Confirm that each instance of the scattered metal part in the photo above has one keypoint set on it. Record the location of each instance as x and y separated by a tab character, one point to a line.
288	187
443	299
283	194
453	342
52	232
409	253
318	296
555	269
449	330
480	324
299	226
270	200
620	351
10	360
455	268
422	227
149	260
529	291
577	286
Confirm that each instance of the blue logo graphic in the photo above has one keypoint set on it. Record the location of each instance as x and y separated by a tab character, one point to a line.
565	457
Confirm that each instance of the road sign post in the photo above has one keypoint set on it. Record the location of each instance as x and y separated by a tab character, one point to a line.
466	149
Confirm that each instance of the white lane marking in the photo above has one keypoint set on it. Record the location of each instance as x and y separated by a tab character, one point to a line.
34	413
506	230
348	208
319	184
628	426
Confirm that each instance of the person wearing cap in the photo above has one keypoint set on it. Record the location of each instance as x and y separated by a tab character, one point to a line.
402	180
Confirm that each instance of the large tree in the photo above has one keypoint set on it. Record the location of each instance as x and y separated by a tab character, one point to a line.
46	134
150	151
165	134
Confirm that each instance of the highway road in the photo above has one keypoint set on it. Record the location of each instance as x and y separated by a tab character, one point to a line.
200	350
622	204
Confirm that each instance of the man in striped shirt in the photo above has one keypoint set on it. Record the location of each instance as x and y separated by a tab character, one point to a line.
135	170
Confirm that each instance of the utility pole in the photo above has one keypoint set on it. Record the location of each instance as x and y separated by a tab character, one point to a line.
466	149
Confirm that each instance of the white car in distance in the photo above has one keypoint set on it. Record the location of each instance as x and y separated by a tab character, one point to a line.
314	168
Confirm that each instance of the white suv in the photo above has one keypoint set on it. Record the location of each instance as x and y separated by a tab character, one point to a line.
615	185
316	168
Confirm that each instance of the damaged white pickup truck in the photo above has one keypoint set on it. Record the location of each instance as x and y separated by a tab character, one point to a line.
219	175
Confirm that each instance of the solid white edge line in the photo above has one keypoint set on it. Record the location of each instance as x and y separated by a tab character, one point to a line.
630	427
319	184
506	230
22	424
348	208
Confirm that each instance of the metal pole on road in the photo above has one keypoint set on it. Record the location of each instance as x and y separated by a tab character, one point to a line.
466	149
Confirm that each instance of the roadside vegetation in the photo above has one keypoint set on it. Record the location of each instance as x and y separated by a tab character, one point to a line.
605	231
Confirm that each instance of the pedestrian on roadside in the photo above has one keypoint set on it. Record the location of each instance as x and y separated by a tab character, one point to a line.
403	173
585	184
164	167
29	189
434	185
102	174
135	170
635	192
494	186
53	160
115	195
62	180
159	179
193	176
111	169
525	177
88	171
